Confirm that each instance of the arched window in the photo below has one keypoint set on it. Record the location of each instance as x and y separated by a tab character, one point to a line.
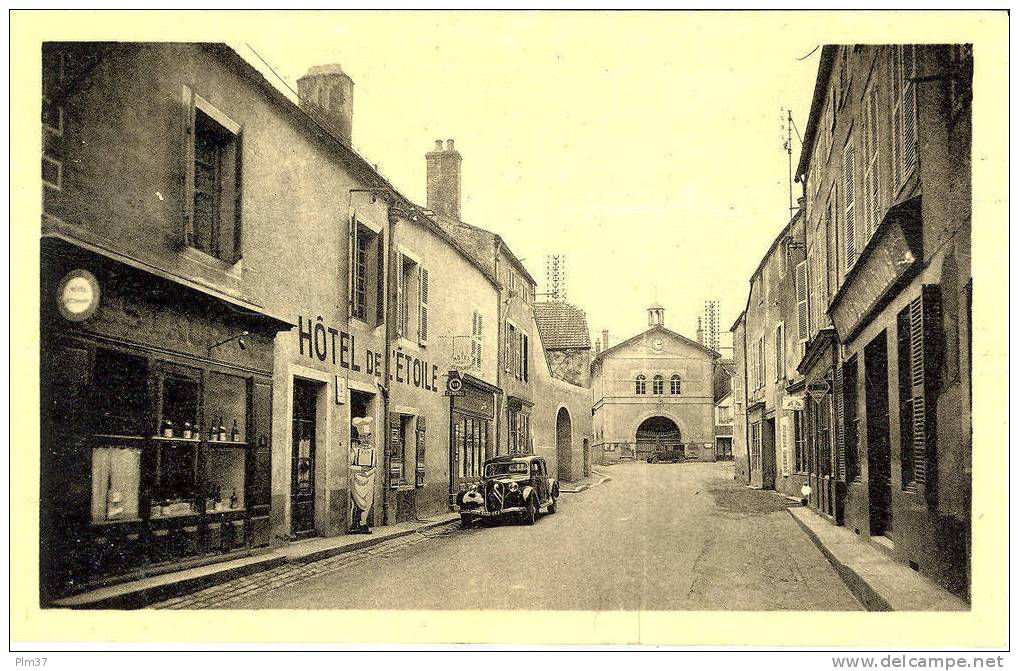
641	386
657	384
674	385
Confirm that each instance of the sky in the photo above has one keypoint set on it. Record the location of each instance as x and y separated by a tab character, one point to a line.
647	148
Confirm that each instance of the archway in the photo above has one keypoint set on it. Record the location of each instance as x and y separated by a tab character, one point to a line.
657	433
563	444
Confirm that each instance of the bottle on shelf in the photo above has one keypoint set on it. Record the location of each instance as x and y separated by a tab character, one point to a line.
167	429
235	434
213	432
222	431
187	430
233	500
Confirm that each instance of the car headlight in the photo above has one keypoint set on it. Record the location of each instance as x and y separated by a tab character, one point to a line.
513	487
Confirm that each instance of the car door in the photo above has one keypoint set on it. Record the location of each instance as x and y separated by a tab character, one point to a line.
539	478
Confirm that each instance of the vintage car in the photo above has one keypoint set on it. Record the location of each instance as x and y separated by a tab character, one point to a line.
510	485
669	454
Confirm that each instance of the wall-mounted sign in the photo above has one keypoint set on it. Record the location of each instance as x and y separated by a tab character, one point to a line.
818	389
78	295
454	384
341	390
793	403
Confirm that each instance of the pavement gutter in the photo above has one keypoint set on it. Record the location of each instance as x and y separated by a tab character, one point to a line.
153	589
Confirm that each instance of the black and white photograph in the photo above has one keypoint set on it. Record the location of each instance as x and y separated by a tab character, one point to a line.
481	313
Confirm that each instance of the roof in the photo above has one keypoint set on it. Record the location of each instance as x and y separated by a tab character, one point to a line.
562	326
728	365
657	327
824	68
497	239
506	458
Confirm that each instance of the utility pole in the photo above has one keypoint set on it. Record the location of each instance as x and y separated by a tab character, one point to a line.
789	151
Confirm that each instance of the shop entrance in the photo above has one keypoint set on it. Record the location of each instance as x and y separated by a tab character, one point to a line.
879	454
302	475
768	455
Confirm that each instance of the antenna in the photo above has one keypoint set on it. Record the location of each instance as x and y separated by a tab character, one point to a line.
788	146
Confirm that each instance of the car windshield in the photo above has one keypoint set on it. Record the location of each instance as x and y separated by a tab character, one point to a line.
505	468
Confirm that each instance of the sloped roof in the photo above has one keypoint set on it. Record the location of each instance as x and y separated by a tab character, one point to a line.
562	326
681	337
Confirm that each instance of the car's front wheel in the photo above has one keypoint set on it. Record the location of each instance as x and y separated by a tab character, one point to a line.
531	513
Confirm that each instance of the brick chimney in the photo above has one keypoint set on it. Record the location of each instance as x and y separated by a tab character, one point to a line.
443	179
327	94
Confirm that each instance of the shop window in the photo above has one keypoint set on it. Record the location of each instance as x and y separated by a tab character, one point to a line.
179	395
226	408
115	483
224	476
174	482
214	225
120	385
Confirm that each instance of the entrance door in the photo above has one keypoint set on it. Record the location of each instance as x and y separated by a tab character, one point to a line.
768	455
302	475
879	453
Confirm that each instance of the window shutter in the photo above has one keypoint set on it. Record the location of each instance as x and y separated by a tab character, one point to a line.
419	479
351	265
801	301
923	316
423	305
848	198
872	194
238	195
189	166
401	292
908	110
380	280
896	116
526	357
840	434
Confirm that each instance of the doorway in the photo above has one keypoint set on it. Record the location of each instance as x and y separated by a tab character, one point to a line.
879	454
656	434
768	455
563	444
302	474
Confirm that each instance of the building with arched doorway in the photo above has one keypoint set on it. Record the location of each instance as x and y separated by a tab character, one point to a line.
652	392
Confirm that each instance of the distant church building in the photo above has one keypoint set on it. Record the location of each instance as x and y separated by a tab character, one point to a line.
654	391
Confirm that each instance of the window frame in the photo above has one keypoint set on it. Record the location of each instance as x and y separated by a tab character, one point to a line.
640	385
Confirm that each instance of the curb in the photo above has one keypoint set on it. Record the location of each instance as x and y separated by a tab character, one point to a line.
123	597
585	487
867	596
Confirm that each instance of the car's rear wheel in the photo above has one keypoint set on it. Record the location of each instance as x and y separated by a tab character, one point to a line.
465	521
531	514
551	506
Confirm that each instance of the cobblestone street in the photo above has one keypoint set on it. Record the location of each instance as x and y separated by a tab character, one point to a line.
687	537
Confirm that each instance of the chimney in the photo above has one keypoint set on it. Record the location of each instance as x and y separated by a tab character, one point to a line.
605	339
327	94
700	332
443	179
597	346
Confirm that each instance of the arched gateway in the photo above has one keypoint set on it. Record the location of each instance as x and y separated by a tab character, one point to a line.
564	444
657	433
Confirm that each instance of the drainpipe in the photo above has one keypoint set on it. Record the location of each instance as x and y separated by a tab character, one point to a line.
499	401
388	265
746	414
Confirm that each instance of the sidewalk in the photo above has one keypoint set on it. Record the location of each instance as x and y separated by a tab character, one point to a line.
583	484
141	593
877	580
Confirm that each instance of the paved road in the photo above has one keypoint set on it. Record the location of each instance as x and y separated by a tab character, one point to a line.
655	537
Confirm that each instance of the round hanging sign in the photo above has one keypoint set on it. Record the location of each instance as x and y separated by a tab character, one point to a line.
78	295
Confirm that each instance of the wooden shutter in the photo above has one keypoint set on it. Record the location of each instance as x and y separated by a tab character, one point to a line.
238	194
351	265
801	301
840	435
401	292
259	492
909	139
188	183
848	200
924	315
422	305
526	357
419	476
380	280
896	117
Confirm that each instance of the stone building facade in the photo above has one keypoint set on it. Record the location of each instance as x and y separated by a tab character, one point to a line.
884	303
652	391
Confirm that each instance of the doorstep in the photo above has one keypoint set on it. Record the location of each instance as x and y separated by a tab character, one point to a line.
153	589
877	580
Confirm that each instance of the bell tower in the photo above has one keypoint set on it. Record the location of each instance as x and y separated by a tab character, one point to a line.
656	315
